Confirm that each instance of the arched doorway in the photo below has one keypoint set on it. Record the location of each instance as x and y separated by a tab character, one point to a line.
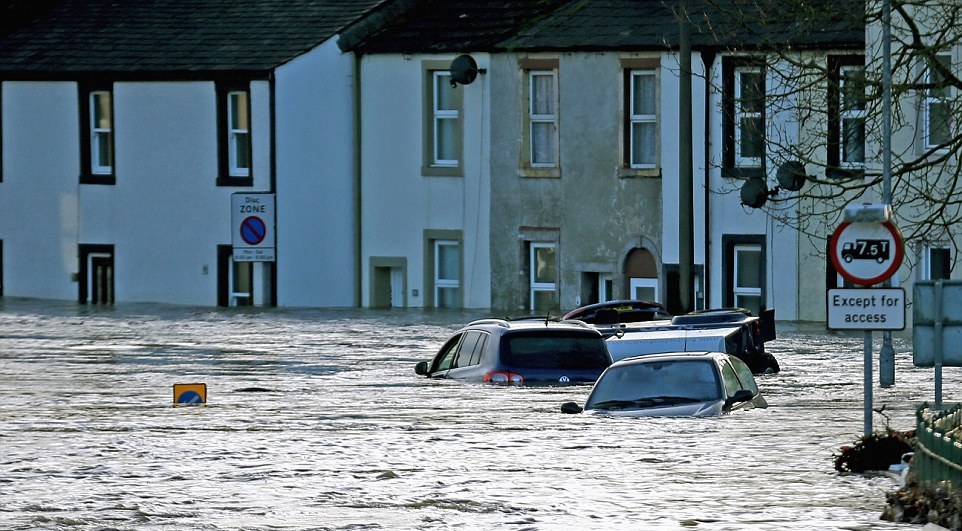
641	273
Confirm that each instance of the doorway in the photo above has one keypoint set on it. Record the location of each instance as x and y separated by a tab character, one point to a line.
96	274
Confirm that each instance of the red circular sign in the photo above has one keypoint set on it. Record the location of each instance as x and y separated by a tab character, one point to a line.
867	253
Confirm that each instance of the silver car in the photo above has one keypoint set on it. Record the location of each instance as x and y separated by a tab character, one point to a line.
688	384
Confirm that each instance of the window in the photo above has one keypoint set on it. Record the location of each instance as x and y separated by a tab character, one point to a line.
642	119
540	154
543	276
743	121
543	118
97	135
234	135
748	277
936	262
936	109
744	268
447	273
644	289
846	116
442	141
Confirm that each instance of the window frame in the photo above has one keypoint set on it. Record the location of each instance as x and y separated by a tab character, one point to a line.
230	173
929	99
90	172
733	164
637	118
534	286
732	243
529	66
837	167
548	118
927	260
436	74
446	283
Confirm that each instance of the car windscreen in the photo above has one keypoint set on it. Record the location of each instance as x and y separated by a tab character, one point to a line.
655	382
542	350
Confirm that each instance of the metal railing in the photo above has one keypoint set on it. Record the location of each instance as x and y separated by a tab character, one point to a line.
938	449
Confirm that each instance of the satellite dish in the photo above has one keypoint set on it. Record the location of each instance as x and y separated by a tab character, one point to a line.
754	192
791	175
463	70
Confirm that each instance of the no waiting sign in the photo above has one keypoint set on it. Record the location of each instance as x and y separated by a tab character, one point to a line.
252	222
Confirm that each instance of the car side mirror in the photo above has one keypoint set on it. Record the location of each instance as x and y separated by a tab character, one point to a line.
742	395
571	407
421	368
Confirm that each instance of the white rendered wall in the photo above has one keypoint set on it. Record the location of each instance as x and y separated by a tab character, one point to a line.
398	203
38	195
316	176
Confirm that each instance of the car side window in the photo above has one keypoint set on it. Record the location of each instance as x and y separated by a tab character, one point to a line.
445	357
478	349
744	375
466	350
732	385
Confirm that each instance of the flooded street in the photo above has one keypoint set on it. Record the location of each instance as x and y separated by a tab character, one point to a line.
316	420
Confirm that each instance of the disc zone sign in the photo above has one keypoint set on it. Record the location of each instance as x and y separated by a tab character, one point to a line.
252	217
866	253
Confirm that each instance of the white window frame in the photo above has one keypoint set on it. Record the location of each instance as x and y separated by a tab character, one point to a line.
638	118
850	112
440	79
931	98
745	291
238	135
536	286
925	261
638	282
605	287
740	115
535	119
444	283
100	133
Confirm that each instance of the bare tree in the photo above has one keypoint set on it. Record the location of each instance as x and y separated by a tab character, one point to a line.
826	115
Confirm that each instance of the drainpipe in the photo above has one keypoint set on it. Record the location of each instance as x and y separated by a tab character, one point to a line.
272	83
356	77
686	235
708	58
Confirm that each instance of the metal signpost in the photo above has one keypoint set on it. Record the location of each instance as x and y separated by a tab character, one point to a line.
866	249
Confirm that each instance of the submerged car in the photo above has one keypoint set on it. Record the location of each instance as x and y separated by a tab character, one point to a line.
620	311
525	352
677	384
637	327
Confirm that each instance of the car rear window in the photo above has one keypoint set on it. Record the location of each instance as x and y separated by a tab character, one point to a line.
539	350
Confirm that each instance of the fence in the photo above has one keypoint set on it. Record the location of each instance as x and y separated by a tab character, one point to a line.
938	449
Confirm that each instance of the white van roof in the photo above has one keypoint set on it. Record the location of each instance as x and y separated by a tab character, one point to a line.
636	343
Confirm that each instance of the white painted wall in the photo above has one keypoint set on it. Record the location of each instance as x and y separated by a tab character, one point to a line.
316	179
398	203
165	215
728	216
38	195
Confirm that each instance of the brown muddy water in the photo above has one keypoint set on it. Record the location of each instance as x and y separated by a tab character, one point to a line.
339	433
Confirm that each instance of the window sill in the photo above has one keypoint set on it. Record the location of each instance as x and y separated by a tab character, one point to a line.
235	181
98	179
441	171
632	173
743	172
844	173
540	173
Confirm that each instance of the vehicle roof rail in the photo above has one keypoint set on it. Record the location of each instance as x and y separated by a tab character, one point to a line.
497	322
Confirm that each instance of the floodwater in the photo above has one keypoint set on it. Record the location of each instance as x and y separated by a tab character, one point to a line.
316	420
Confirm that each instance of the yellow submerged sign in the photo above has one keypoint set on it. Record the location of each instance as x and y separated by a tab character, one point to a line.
193	394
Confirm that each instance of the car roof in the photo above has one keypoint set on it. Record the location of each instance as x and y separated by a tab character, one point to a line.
504	326
670	356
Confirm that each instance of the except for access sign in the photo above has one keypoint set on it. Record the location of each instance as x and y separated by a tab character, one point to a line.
866	253
866	309
252	219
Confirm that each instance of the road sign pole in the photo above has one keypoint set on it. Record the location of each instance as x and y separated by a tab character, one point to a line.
868	383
